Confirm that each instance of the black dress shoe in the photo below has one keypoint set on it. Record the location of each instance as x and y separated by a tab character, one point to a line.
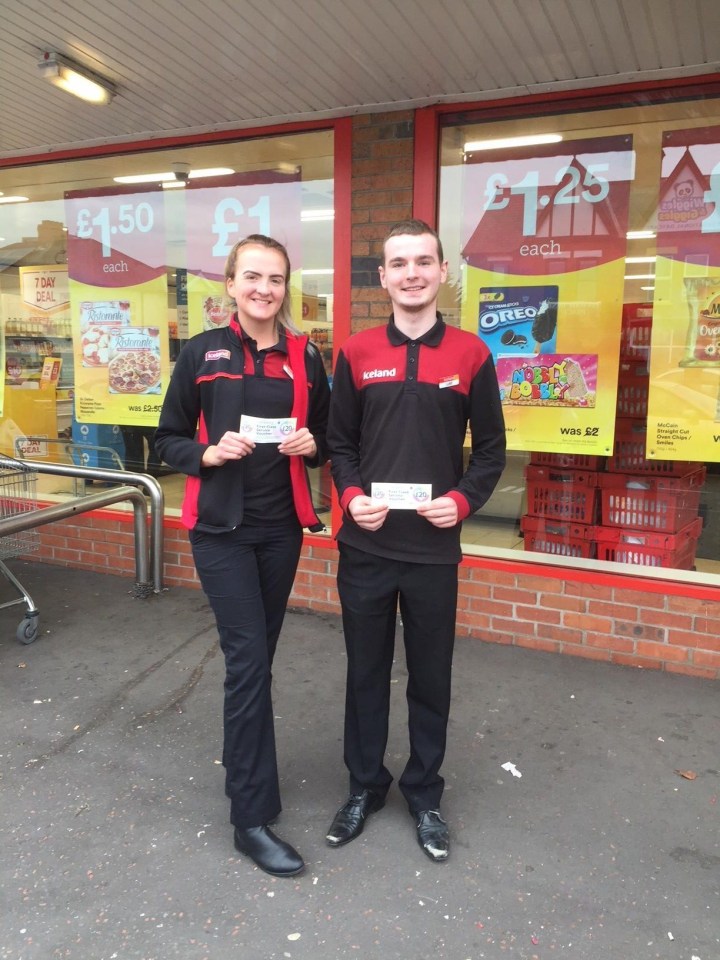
269	852
350	818
433	835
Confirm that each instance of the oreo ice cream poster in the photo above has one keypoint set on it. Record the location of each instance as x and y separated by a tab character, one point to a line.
519	320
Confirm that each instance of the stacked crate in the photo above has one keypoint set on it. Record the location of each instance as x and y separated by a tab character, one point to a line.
648	508
624	508
562	504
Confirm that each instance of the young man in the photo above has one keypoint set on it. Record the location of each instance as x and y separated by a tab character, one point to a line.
402	397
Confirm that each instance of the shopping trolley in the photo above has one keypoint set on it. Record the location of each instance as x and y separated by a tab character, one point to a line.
18	495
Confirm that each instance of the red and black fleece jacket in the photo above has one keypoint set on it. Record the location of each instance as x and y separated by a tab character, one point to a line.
205	399
399	414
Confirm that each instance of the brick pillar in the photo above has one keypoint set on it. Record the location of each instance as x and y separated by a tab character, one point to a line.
382	186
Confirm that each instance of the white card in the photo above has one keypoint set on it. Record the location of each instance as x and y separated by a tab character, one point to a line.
401	496
262	430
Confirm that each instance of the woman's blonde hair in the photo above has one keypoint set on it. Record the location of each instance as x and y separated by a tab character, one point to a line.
284	314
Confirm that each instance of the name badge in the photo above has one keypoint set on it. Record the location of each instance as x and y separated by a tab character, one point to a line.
266	430
452	381
401	496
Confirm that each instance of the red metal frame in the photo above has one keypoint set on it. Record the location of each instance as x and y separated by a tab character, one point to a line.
428	121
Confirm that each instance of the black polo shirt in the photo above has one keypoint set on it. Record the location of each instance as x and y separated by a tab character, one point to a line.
269	394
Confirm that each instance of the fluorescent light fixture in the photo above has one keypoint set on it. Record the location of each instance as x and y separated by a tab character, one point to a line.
639	276
640	234
75	79
318	273
640	259
502	142
647	288
308	216
167	176
13	199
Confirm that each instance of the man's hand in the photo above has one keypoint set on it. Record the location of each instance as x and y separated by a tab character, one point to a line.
231	446
367	513
301	443
441	512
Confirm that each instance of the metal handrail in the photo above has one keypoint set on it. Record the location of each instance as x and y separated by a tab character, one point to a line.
155	491
60	511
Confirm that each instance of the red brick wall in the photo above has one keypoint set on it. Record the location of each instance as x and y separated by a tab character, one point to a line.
382	193
602	618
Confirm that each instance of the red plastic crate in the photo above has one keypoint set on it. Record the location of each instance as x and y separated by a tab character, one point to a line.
562	494
636	331
629	453
647	549
650	503
573	461
557	537
633	389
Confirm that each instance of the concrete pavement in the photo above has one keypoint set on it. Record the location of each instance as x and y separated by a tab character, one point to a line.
115	837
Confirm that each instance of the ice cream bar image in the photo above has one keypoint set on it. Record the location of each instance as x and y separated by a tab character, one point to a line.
545	321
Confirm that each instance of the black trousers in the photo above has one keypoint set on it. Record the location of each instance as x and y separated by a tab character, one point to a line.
369	589
247	576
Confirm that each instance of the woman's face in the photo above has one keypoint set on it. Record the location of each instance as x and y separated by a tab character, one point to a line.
258	284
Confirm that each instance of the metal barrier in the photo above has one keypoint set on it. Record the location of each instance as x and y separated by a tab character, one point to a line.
155	492
61	511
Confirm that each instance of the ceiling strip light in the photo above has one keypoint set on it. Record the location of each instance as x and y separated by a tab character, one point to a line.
75	79
169	175
502	142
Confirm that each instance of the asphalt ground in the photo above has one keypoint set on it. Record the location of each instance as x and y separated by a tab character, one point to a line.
116	843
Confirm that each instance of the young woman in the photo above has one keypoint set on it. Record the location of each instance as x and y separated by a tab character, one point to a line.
247	499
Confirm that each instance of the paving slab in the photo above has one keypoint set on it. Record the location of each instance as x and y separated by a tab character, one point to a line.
116	843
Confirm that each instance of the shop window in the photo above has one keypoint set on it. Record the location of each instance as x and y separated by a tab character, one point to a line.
585	249
109	264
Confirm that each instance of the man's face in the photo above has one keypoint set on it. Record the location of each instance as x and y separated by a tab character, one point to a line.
412	272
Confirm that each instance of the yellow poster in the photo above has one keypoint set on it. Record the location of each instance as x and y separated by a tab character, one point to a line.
119	306
121	357
684	398
544	246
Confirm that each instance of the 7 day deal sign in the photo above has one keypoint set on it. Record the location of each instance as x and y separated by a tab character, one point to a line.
119	305
544	240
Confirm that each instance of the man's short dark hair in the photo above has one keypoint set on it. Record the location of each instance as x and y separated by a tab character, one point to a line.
415	228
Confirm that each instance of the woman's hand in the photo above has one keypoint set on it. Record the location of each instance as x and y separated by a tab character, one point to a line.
301	443
231	446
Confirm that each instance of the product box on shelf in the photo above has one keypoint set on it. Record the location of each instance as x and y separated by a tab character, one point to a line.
93	435
562	494
650	503
650	548
560	538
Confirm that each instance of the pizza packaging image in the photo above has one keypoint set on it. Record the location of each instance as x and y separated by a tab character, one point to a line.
100	321
134	364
